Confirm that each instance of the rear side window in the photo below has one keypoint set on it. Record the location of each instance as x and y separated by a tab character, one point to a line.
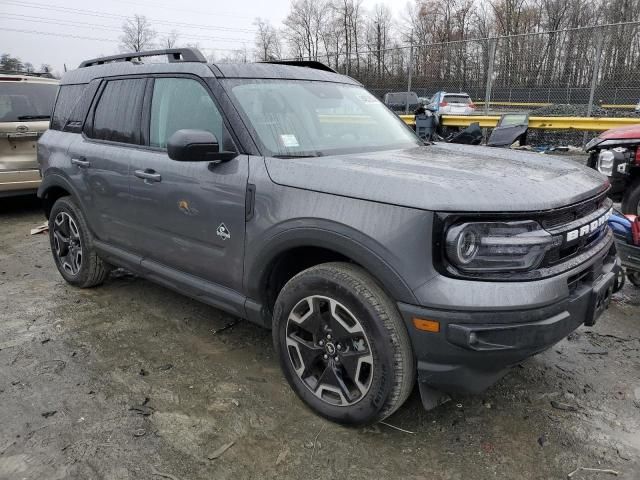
68	97
182	103
24	101
117	115
457	99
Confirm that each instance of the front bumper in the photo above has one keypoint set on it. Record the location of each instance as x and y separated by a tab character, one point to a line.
473	349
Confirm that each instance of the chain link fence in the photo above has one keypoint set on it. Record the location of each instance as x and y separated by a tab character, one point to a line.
595	70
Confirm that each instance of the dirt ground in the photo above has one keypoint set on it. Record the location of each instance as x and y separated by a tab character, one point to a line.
132	381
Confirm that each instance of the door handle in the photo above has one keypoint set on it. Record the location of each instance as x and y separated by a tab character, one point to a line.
148	175
81	162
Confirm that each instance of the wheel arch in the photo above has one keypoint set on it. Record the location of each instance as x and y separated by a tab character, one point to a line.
273	262
53	187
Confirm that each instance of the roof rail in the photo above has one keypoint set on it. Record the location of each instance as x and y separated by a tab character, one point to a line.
303	63
173	55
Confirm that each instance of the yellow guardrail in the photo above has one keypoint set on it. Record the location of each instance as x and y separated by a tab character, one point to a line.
622	106
516	104
586	124
615	105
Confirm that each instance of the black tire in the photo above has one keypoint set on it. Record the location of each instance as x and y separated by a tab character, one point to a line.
634	277
620	280
631	199
381	344
90	270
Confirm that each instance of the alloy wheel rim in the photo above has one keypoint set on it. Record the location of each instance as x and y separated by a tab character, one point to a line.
329	350
66	243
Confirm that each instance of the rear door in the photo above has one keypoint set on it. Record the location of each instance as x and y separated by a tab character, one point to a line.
100	159
190	216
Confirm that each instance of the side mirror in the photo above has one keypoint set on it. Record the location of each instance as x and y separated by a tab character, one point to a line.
196	146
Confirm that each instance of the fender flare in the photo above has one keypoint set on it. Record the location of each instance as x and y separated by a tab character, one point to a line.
363	250
55	179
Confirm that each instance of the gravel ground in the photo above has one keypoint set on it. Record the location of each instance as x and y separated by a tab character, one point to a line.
132	381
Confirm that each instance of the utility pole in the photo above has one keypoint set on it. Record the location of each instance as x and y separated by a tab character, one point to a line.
406	105
492	56
594	78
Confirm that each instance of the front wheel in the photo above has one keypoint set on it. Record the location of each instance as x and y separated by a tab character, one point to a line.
342	344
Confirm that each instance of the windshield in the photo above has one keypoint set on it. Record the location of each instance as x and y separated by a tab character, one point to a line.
22	101
295	118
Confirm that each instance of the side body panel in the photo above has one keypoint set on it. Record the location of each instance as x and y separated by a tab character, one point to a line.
392	243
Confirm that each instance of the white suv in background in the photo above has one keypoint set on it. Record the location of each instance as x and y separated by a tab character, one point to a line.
451	104
26	101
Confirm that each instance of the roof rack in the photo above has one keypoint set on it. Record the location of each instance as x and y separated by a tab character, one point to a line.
303	63
173	55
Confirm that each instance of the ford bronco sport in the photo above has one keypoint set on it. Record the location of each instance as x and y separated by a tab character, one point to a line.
292	197
26	101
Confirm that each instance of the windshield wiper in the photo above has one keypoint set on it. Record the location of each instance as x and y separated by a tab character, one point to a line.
33	117
299	155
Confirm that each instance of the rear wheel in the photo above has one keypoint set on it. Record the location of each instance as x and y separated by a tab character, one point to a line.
342	344
72	246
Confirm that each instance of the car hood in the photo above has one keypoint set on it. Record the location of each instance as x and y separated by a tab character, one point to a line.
620	133
445	177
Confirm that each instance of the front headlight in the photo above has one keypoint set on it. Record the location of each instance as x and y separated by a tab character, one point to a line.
497	246
606	160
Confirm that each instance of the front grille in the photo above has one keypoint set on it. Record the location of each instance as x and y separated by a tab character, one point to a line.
573	218
563	216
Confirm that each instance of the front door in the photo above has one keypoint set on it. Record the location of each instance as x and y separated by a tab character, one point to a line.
190	215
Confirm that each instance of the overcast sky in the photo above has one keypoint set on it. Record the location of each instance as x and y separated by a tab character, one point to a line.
82	29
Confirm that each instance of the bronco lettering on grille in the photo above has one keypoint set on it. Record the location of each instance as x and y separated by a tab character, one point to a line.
588	228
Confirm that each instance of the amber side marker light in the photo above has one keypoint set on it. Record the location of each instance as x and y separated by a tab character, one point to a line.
426	325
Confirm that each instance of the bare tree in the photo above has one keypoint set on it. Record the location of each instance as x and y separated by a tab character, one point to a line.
267	41
169	40
137	34
304	26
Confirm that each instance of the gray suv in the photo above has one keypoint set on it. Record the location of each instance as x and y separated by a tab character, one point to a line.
288	195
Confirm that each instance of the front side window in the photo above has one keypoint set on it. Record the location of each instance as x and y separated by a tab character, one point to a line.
182	103
24	101
295	118
117	115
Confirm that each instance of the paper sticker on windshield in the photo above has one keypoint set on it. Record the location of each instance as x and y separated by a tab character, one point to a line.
289	140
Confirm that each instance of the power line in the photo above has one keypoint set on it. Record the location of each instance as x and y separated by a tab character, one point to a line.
41	6
30	18
82	37
179	9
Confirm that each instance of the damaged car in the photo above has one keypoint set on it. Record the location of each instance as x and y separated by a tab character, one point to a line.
289	195
616	154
